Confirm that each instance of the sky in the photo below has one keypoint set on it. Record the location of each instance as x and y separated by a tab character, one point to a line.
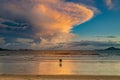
59	24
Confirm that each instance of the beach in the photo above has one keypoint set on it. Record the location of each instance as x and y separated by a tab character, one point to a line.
34	66
58	77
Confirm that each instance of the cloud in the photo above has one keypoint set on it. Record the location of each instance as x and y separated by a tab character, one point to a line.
96	43
87	45
107	36
80	45
109	3
51	20
2	41
18	43
111	36
24	40
113	4
54	19
6	23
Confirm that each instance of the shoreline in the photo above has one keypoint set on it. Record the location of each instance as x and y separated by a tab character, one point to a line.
59	77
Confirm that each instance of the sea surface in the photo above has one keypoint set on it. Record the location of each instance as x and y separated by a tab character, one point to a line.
60	62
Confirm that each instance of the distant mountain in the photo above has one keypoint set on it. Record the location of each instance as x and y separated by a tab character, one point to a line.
112	48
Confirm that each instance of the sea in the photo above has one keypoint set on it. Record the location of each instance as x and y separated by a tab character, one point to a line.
58	62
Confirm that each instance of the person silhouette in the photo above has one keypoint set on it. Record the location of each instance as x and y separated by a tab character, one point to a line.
60	62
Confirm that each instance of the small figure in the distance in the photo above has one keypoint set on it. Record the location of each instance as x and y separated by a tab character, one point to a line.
60	62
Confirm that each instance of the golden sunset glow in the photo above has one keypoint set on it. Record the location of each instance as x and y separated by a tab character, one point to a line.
54	68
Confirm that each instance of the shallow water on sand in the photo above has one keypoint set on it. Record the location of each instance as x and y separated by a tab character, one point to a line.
32	63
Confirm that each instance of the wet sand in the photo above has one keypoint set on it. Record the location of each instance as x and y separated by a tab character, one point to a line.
58	77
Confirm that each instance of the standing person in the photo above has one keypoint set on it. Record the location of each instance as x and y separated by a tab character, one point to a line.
60	62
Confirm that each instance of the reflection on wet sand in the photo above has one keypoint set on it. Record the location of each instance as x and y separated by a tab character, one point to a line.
57	67
54	68
52	64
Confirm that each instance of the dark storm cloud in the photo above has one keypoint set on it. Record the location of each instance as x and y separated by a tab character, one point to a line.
13	29
13	19
4	23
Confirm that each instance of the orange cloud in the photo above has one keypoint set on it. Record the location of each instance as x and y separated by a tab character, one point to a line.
54	19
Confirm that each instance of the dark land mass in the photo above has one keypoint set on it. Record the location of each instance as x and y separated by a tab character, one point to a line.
112	48
1	49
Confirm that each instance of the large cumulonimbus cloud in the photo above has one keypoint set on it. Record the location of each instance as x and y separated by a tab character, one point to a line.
52	20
